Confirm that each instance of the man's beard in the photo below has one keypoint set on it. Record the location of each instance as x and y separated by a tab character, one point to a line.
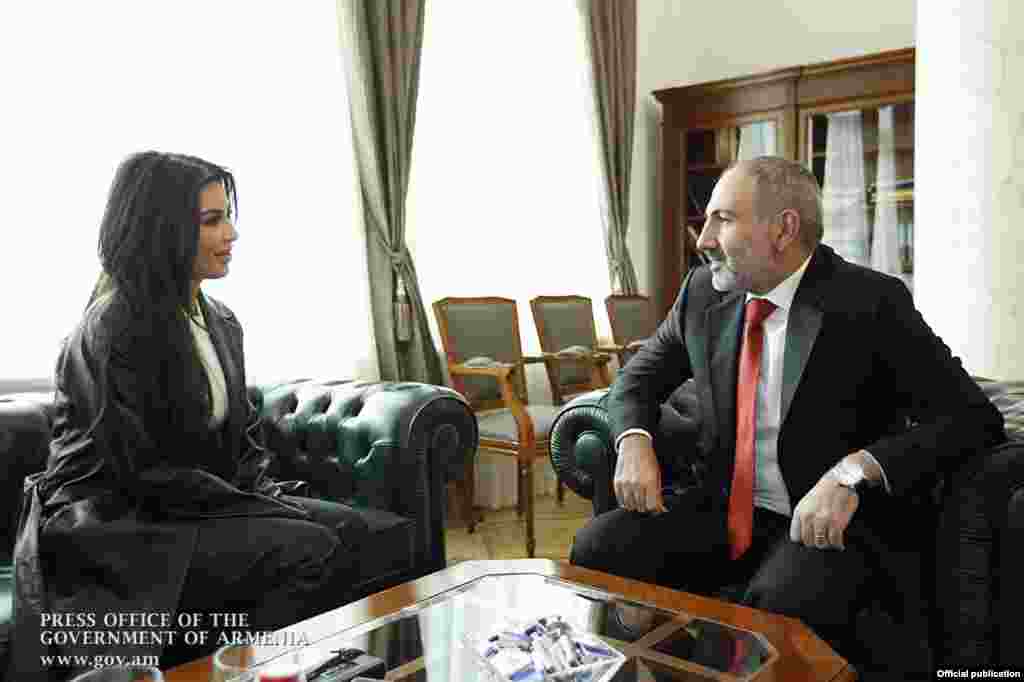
723	278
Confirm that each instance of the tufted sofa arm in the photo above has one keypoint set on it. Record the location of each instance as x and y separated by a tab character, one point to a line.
379	445
583	455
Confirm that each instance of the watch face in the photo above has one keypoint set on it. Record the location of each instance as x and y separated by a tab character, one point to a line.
849	474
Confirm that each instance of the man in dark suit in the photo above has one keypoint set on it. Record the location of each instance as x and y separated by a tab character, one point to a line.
826	404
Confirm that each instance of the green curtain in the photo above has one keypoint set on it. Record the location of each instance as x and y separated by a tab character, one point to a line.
609	27
381	41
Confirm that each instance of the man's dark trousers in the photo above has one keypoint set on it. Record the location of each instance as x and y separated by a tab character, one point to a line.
687	548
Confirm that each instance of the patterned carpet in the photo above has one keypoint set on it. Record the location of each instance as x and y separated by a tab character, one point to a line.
502	534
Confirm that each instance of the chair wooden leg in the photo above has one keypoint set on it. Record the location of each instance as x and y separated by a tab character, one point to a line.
520	496
526	493
560	494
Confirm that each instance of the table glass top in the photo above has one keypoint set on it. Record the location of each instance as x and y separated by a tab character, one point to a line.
429	640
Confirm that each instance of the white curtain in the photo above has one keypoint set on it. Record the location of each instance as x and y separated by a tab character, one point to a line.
757	139
255	86
503	194
885	240
844	191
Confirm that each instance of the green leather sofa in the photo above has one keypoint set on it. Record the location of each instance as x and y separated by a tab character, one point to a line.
385	447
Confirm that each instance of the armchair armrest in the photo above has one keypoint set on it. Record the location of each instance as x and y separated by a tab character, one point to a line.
583	454
581	449
597	360
499	370
503	373
624	353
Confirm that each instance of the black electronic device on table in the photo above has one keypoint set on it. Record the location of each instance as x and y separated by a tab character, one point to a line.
348	665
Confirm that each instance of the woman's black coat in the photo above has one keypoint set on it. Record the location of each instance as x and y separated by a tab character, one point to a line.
98	539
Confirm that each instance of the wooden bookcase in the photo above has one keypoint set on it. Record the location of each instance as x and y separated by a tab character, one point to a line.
701	127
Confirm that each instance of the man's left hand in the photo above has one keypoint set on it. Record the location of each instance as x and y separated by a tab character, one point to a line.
821	517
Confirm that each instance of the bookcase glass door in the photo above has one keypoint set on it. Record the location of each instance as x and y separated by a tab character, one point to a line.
709	151
864	161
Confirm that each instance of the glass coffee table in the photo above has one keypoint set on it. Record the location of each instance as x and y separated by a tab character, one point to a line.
421	631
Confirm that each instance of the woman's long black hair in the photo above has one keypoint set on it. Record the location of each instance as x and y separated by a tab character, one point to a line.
147	246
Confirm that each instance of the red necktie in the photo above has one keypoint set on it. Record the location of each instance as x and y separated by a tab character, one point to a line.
741	499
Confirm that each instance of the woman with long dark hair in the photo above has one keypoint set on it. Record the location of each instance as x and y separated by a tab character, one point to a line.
155	498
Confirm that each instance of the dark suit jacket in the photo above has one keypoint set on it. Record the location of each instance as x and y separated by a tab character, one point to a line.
861	369
102	534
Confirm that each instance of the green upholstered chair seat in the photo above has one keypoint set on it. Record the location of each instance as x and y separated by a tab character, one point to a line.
501	425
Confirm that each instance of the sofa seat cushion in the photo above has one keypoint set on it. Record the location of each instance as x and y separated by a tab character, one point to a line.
501	425
390	547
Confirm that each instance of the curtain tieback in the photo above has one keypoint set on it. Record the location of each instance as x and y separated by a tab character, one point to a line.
398	258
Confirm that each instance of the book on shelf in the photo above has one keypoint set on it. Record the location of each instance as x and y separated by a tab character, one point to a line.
900	190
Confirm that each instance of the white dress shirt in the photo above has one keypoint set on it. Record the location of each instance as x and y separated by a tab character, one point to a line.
214	372
769	489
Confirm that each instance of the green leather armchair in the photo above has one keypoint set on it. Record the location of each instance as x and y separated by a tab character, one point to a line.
972	577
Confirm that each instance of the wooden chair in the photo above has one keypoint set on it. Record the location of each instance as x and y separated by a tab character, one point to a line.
574	361
568	339
633	322
486	363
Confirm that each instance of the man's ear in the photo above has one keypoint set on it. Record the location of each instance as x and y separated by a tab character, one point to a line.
789	229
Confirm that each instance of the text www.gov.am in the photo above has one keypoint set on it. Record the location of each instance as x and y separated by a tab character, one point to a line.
98	661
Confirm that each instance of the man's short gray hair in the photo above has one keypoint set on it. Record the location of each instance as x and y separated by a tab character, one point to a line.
782	184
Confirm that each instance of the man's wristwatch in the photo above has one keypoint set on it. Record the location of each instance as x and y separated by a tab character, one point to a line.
851	475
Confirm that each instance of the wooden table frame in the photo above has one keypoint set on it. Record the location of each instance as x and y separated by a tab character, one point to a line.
802	655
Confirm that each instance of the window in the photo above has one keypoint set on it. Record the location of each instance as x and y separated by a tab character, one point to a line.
257	87
504	191
504	187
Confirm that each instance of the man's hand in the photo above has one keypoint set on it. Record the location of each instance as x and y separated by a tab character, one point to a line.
822	516
638	476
